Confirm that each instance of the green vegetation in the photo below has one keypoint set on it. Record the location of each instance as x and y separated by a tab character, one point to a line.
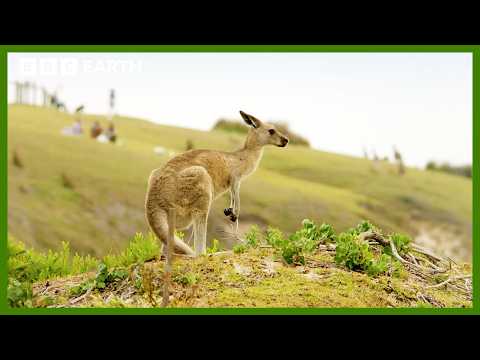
102	279
230	126
324	270
140	249
214	248
352	251
401	242
355	254
303	241
252	239
465	170
27	266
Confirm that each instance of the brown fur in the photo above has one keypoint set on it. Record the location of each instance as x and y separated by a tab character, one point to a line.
191	181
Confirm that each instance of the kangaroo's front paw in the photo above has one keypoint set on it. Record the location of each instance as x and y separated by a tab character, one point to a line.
229	212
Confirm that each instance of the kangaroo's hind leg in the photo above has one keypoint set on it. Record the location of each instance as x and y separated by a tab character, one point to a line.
195	193
200	234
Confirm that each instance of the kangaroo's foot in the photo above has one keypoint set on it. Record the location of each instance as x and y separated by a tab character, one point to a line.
178	252
229	212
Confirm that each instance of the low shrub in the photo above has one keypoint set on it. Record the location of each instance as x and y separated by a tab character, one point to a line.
26	266
401	242
303	241
140	249
252	240
355	253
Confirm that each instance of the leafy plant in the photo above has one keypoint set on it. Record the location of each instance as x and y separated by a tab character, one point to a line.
274	237
240	248
252	237
214	248
378	266
19	294
401	242
186	279
102	278
352	252
363	226
355	253
290	249
398	270
304	241
82	288
317	234
292	252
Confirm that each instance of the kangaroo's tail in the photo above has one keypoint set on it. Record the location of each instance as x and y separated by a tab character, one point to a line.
158	221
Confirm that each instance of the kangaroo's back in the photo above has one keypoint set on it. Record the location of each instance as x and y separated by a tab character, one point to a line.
215	163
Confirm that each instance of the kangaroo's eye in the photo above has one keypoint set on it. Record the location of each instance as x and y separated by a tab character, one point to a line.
271	131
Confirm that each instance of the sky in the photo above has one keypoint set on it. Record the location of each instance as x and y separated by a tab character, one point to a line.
342	102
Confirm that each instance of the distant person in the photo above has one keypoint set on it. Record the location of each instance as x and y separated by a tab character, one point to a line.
365	153
111	105
53	100
375	161
399	160
61	106
77	127
74	130
95	130
110	133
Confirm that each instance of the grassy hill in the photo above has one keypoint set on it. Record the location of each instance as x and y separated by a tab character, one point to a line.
91	194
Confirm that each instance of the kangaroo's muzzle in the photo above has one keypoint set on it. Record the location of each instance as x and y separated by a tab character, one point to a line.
283	142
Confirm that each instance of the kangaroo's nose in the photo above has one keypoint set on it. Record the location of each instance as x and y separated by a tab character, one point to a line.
284	141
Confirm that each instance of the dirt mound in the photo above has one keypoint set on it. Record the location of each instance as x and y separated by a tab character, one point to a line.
255	278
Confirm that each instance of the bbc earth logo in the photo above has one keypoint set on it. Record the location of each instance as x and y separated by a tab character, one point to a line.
72	67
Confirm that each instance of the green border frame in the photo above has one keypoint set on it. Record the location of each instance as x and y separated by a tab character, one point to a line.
5	49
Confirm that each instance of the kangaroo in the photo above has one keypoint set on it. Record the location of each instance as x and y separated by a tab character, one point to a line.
191	181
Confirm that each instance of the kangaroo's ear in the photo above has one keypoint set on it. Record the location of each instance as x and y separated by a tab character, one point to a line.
251	120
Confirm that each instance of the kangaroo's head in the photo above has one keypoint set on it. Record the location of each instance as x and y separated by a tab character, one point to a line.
262	133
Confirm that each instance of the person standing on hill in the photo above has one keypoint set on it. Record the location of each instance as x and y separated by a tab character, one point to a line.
111	104
399	160
44	97
77	127
95	130
110	133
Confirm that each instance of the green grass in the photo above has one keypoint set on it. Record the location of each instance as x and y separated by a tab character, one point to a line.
103	205
27	266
